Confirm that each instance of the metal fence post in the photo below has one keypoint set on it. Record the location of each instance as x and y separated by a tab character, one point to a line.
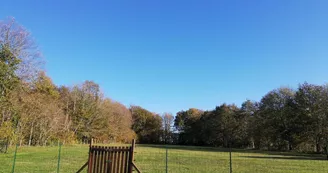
14	162
230	158
58	163
166	160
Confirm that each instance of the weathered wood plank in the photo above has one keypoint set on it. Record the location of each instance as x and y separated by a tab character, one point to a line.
122	161
115	161
109	162
81	169
118	160
126	162
101	160
95	161
95	148
111	159
105	161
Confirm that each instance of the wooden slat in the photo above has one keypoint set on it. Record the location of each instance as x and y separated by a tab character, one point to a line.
126	162
122	161
109	163
90	162
115	160
94	165
98	161
90	157
101	160
105	161
127	155
131	157
95	161
96	148
112	162
118	160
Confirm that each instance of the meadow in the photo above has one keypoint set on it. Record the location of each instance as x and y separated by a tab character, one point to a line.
181	159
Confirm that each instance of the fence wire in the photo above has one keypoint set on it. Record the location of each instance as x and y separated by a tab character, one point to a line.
165	159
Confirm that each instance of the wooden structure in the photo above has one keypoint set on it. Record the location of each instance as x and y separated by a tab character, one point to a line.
104	159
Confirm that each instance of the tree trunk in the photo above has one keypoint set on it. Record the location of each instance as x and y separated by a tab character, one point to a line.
289	146
40	139
252	143
317	147
31	134
3	116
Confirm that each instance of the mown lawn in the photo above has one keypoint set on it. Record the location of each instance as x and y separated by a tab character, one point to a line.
181	159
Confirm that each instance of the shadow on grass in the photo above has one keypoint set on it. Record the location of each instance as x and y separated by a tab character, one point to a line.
185	147
267	154
286	157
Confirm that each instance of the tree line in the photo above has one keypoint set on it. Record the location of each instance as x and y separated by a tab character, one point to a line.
34	111
284	119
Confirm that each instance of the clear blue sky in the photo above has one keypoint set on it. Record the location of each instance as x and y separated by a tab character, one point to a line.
169	55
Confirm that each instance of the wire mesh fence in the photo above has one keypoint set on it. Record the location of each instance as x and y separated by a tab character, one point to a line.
156	158
182	159
165	159
44	159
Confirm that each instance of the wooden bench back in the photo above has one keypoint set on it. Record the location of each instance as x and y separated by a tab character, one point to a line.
110	159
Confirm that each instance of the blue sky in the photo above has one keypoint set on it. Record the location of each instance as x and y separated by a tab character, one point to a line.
169	55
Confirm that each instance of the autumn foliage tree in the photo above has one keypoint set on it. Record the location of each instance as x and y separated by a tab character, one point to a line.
147	125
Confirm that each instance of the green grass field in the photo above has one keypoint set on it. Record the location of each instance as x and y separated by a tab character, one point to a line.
181	159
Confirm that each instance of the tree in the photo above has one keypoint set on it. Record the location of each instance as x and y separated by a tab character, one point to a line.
249	111
312	101
40	115
8	66
8	78
187	124
18	60
167	123
274	117
20	43
85	111
147	125
223	121
118	122
8	82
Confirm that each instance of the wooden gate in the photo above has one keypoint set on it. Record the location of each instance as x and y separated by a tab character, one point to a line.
104	159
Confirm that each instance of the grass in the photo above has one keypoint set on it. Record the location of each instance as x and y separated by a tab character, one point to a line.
181	159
